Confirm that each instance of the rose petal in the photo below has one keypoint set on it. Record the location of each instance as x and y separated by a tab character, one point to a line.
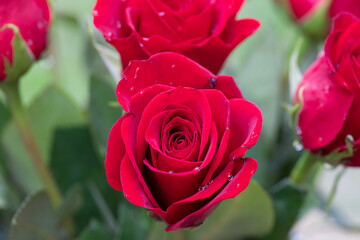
233	188
184	207
161	182
132	168
321	117
338	6
192	98
245	126
237	31
176	70
114	154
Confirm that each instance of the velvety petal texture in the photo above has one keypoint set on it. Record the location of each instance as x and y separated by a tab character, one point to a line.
330	93
180	149
203	30
32	17
350	6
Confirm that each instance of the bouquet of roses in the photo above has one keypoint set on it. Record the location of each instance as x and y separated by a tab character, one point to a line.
130	123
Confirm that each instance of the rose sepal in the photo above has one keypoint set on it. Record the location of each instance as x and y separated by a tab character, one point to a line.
23	57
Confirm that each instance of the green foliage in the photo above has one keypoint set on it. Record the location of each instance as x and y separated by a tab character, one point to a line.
35	220
95	231
75	161
102	115
288	198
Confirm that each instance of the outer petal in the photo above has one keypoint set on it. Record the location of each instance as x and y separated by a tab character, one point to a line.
176	70
325	106
32	17
114	154
238	184
245	126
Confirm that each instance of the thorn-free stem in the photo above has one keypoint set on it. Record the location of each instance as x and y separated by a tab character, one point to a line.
303	168
11	90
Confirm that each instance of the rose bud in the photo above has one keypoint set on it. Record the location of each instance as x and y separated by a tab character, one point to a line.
180	148
31	19
329	94
205	31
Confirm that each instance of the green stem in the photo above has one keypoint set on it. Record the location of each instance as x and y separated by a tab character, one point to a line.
28	138
303	168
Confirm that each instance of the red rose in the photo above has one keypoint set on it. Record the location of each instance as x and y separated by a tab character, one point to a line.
179	151
330	93
32	17
205	31
303	10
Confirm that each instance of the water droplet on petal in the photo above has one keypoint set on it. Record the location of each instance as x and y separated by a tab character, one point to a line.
197	169
327	89
252	172
95	13
298	130
141	45
146	39
173	66
238	185
142	93
298	146
171	83
161	14
136	72
320	141
171	172
131	89
118	24
40	25
109	36
230	176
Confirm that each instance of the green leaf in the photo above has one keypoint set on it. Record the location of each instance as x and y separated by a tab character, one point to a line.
251	214
96	231
74	160
22	56
134	223
288	199
35	220
295	74
102	115
72	202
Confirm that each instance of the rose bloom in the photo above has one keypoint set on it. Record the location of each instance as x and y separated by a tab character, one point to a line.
303	10
180	148
32	17
330	93
205	31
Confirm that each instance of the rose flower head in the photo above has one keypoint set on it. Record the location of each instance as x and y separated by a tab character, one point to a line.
205	31
315	16
330	94
31	18
180	148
